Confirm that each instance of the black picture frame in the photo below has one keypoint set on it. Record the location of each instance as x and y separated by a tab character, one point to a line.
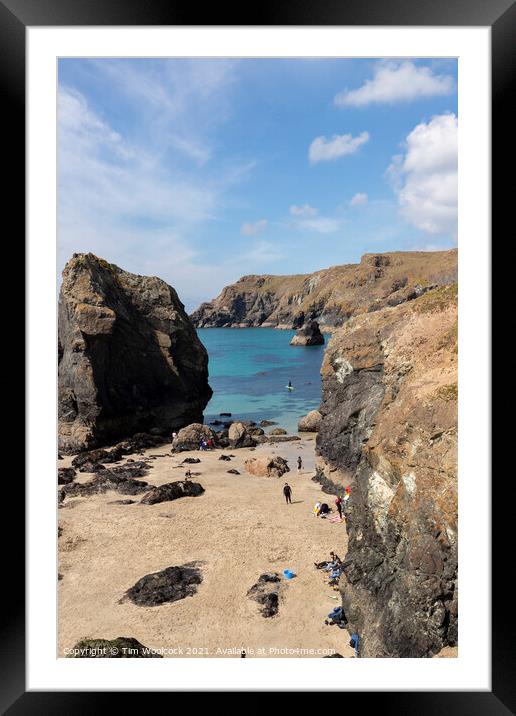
500	16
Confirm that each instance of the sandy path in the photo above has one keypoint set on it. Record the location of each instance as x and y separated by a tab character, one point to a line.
240	528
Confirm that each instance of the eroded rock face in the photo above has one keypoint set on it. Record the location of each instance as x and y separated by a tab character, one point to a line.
389	430
310	422
169	585
267	466
308	335
330	296
129	357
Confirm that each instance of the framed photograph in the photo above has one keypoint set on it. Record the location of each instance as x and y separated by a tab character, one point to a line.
258	365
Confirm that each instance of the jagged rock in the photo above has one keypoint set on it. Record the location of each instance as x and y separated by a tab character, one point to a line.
65	475
172	491
190	438
129	357
266	466
169	585
310	422
122	647
266	423
191	461
102	482
308	335
330	296
266	593
277	431
389	429
254	431
239	436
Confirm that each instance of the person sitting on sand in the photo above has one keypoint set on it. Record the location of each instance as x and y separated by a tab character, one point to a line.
287	491
316	509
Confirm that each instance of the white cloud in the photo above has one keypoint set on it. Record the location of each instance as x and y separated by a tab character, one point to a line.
305	210
397	82
425	177
360	199
324	150
249	229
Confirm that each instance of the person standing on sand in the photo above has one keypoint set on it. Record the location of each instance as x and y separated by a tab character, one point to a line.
299	463
338	502
287	491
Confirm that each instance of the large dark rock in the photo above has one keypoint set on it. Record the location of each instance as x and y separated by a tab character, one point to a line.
169	585
103	482
122	647
389	432
172	491
129	357
308	335
266	593
65	475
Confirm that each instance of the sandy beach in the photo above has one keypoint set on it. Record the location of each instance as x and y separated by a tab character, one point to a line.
238	529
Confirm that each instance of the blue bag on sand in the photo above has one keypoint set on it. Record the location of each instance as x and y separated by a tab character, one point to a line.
288	574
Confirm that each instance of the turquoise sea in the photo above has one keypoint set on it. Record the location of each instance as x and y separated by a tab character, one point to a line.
250	369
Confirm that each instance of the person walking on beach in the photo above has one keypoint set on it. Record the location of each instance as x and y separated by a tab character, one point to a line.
287	491
299	463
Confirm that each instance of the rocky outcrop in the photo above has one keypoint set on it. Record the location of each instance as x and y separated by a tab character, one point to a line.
266	592
239	436
310	422
172	491
267	466
308	335
330	296
190	437
129	357
122	647
169	585
389	430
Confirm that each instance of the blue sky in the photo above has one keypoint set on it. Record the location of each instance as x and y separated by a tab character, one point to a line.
200	171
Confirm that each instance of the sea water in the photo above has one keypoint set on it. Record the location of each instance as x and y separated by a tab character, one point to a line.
249	371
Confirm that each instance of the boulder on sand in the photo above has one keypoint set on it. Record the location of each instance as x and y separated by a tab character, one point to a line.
190	438
266	593
310	422
308	335
169	585
172	491
267	466
239	436
277	431
123	647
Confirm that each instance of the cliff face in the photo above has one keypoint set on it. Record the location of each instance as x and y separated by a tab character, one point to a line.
129	358
330	296
389	429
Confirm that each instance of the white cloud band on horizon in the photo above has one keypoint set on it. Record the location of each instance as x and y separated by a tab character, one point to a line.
325	150
396	82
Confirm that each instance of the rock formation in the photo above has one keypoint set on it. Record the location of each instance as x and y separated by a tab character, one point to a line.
389	430
239	436
172	491
169	585
266	466
122	647
129	357
190	437
330	296
308	335
310	422
266	592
